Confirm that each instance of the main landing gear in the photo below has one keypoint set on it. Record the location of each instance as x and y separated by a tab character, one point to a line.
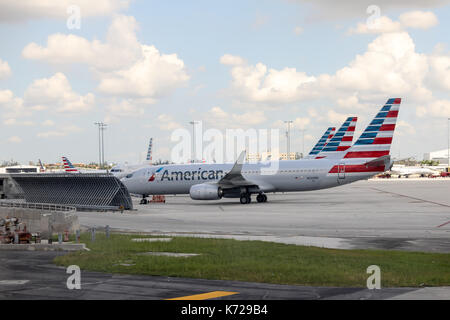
246	198
261	197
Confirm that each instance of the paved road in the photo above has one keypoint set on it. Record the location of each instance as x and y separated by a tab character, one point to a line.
31	275
403	214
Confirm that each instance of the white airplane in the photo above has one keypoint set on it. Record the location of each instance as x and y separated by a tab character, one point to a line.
70	168
122	170
408	171
342	141
367	157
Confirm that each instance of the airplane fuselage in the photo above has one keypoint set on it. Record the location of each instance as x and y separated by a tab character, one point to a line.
290	175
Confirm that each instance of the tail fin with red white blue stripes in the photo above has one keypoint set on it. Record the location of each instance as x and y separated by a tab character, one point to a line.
68	166
340	142
149	151
326	137
376	140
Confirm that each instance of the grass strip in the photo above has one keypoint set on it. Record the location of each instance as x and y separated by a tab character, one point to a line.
258	261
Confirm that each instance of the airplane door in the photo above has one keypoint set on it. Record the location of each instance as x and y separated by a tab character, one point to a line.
341	170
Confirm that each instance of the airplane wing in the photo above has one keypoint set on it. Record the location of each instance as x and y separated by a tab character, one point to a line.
234	178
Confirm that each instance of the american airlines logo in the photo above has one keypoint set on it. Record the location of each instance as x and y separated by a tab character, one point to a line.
190	175
152	178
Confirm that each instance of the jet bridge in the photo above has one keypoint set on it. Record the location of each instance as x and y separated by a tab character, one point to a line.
85	191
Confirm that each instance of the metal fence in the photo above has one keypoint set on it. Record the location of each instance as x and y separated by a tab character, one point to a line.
39	206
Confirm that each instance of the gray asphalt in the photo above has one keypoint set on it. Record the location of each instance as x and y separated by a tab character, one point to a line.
399	214
402	214
42	280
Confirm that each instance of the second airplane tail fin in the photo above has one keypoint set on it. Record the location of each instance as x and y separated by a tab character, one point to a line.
341	141
68	166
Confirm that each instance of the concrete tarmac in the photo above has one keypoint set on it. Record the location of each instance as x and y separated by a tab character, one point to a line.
33	276
399	214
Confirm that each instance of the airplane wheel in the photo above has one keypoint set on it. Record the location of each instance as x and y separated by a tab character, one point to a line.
245	198
264	198
260	198
144	201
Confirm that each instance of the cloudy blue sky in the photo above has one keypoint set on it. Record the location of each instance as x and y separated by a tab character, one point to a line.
147	68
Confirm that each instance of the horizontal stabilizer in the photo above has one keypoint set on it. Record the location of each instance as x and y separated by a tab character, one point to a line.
378	162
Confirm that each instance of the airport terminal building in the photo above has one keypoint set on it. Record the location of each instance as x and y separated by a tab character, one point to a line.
441	156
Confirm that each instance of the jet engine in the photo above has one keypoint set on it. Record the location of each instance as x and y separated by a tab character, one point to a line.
206	191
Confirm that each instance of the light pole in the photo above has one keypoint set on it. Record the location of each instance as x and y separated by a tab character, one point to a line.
288	138
103	128
101	150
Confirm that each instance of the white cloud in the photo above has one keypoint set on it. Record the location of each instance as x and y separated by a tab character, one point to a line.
5	70
14	122
16	11
218	118
418	19
260	84
14	139
351	103
123	109
124	66
336	118
55	93
228	59
120	49
48	123
154	75
404	128
12	106
338	10
167	123
437	108
298	30
383	24
389	66
440	69
61	132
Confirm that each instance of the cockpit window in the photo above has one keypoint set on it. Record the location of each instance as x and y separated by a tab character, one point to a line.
129	176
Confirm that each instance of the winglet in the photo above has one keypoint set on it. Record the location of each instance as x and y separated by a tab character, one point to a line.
235	175
237	168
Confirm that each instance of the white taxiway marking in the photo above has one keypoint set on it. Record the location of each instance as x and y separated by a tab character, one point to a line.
13	282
